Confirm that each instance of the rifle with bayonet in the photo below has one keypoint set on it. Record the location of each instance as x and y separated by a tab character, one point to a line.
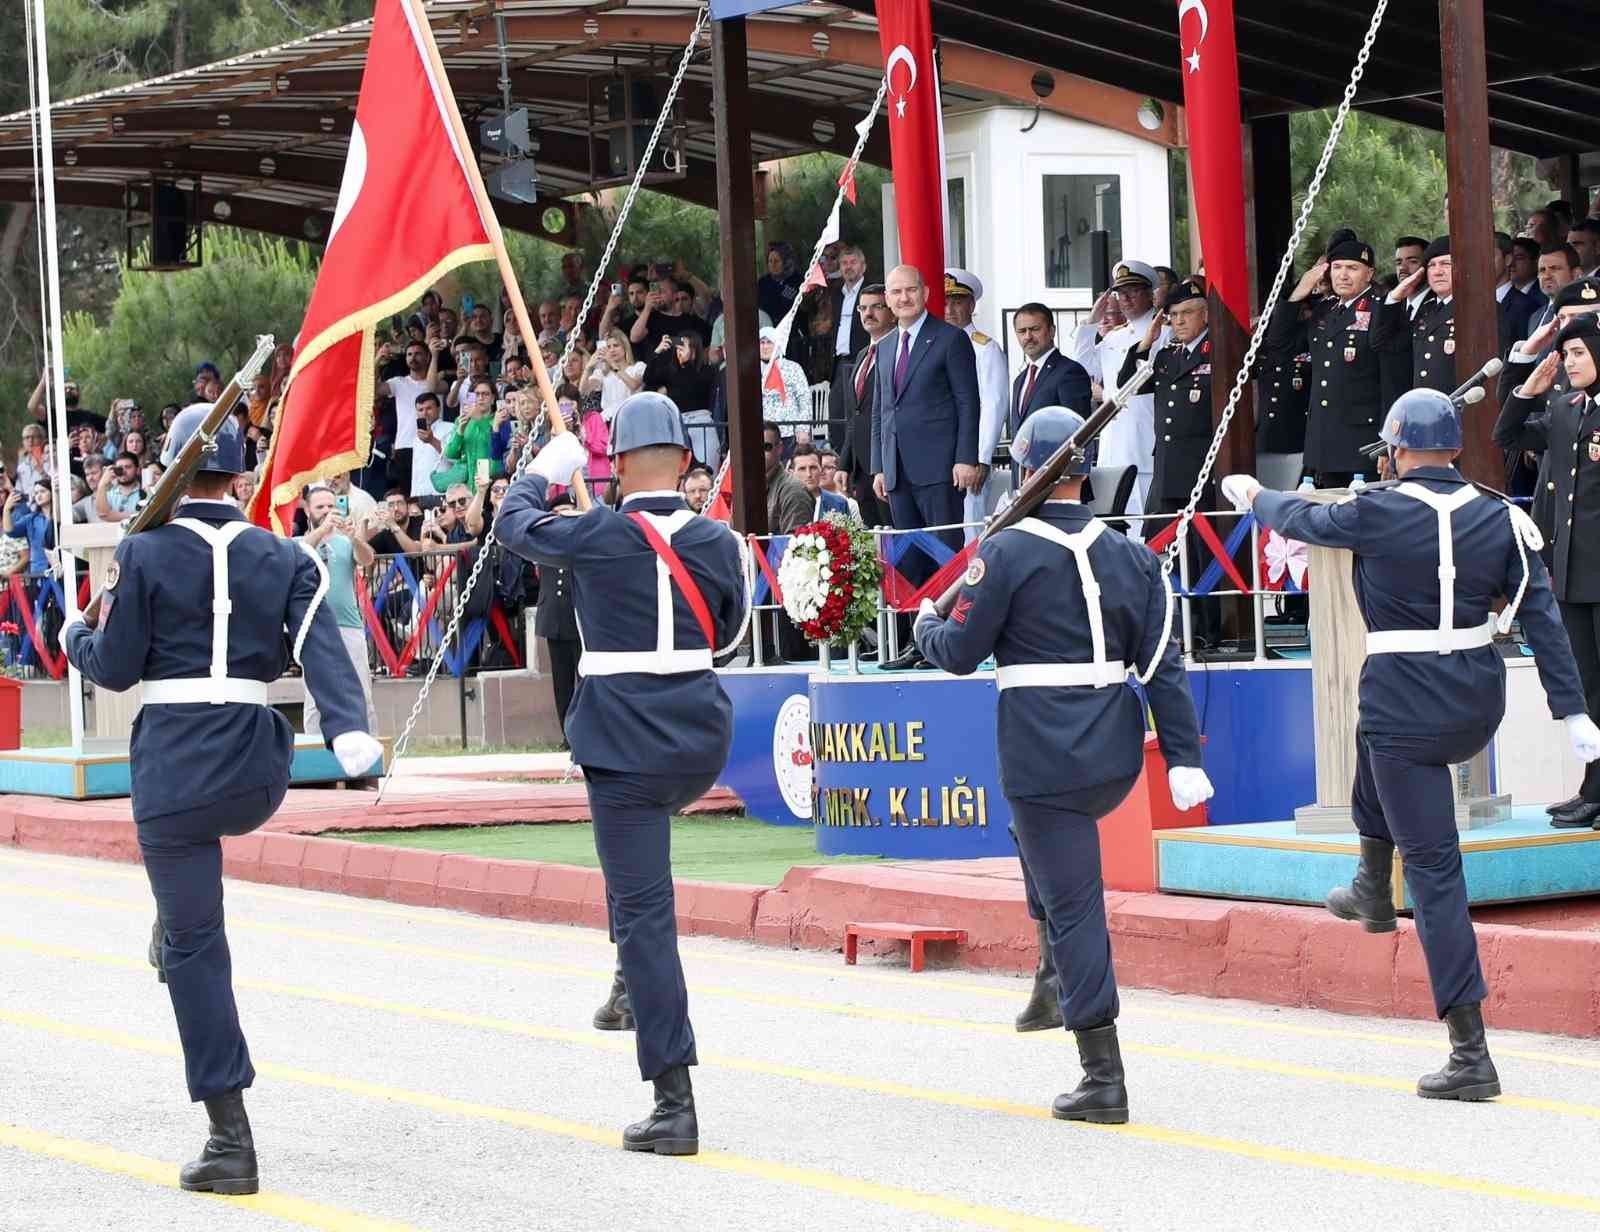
158	506
1043	481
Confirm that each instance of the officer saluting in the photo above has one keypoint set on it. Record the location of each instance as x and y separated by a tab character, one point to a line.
1068	613
205	710
1425	343
657	591
1433	553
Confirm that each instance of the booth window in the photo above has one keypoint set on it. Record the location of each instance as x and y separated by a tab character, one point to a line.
1076	206
955	240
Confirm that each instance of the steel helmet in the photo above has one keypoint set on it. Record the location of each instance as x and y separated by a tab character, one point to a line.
224	455
1422	419
1044	432
647	419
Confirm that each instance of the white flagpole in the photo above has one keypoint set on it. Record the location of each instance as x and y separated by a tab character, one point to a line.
58	373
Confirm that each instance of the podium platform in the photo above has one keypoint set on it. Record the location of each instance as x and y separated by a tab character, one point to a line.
1519	860
66	773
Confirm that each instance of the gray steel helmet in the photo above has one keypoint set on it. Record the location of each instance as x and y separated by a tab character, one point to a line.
1422	419
225	454
647	419
1044	432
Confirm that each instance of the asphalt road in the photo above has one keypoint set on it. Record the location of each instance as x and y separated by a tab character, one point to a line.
422	1069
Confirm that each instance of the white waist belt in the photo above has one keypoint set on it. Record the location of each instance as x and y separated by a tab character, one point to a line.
645	662
206	690
1430	641
1059	675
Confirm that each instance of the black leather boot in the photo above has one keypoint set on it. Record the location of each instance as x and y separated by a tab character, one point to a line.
227	1165
1043	1011
1101	1098
1370	897
1469	1073
671	1129
616	1014
154	952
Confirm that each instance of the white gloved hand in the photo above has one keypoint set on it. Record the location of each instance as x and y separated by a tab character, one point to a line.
1240	491
357	752
927	608
1585	737
558	459
1190	786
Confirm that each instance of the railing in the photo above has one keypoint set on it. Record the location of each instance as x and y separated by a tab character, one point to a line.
406	601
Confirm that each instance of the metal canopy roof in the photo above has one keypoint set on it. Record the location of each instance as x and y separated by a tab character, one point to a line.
268	130
1543	59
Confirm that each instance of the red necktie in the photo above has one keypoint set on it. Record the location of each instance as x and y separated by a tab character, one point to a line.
1027	390
902	363
863	372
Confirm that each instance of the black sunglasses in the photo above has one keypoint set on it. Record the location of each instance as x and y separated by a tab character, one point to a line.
460	502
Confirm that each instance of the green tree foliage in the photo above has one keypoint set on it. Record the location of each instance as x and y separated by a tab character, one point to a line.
162	325
802	194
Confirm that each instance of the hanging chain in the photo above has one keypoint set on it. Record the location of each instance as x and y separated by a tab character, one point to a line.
1267	307
513	457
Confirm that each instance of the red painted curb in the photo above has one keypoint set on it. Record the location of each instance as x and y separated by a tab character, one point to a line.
1540	978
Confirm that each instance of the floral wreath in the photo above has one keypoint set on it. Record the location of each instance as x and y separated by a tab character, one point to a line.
829	576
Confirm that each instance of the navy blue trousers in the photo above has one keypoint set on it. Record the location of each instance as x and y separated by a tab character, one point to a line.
1029	890
1403	795
1059	838
929	504
633	837
183	859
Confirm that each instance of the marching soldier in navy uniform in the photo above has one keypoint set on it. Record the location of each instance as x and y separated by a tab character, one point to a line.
1425	343
204	692
1181	387
1069	612
1432	555
1351	381
657	591
1567	428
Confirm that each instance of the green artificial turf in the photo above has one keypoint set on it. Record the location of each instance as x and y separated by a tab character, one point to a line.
708	848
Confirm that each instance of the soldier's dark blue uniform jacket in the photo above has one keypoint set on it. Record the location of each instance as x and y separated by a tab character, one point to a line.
152	628
1023	602
1397	547
1566	426
656	707
1181	388
1283	391
1425	343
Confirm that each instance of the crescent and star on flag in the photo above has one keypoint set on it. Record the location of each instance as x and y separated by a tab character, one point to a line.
902	55
1185	7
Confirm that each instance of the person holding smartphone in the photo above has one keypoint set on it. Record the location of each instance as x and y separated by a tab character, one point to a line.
340	542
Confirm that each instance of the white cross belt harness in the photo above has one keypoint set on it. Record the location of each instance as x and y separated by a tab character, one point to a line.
218	688
1099	672
1447	638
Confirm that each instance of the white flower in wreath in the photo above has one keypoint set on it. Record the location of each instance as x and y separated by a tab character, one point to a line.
1285	556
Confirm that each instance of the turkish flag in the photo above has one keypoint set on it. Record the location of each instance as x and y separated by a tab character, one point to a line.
1216	150
916	139
390	241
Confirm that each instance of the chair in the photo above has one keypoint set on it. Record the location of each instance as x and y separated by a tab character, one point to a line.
1113	488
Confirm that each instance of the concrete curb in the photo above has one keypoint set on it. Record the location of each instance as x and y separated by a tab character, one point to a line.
1540	979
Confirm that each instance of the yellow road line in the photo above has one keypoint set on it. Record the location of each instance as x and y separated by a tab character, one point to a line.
282	1206
938	983
766	1170
815	1077
903	1199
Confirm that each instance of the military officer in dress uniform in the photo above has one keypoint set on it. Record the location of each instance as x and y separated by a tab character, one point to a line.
658	591
204	693
1350	380
1432	555
1567	427
962	291
1181	387
1283	382
1426	342
1069	613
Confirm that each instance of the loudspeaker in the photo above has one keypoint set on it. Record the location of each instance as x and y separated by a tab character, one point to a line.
169	224
646	101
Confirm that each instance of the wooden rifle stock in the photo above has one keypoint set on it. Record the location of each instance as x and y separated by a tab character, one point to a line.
1043	481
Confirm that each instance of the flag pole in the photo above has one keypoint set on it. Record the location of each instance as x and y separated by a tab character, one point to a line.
491	222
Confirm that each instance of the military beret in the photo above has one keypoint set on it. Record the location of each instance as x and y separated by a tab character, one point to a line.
1586	327
1346	247
1182	293
1439	248
1579	293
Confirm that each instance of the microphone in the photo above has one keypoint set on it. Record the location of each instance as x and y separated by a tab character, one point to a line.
1489	370
1474	395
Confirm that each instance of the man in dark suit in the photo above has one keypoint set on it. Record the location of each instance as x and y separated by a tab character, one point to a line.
851	400
849	330
925	414
1050	378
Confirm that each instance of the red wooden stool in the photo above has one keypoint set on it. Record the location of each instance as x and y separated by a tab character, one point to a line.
917	934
